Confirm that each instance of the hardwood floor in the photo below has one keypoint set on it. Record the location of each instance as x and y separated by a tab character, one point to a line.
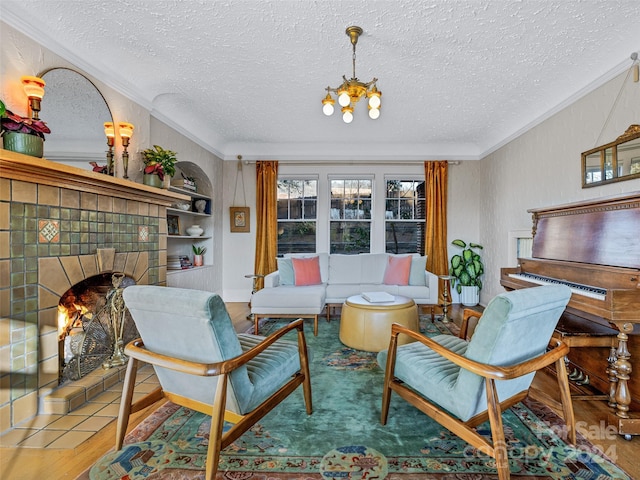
50	464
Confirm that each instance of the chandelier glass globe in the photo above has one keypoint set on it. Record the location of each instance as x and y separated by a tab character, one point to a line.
344	99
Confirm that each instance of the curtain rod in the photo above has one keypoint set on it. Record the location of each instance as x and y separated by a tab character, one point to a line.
352	162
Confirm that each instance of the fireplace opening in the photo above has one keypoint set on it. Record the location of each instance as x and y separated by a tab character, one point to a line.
93	326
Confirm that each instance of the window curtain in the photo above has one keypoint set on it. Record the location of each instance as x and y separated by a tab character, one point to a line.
266	219
435	174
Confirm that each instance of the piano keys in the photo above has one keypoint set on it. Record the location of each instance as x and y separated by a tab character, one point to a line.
577	288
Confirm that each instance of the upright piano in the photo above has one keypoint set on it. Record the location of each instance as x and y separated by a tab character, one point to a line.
593	247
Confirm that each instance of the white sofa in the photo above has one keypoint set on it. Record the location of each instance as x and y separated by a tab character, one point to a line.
342	276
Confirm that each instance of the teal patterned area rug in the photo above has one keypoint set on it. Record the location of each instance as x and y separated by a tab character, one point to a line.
343	438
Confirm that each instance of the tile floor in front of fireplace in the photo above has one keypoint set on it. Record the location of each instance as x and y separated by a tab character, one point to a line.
75	427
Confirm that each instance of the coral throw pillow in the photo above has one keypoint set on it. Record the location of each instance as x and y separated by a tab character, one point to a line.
306	271
397	271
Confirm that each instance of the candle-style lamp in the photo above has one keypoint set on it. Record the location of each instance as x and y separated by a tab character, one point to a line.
126	131
445	298
34	88
110	133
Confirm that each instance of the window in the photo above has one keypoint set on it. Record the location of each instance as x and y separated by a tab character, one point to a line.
297	202
525	247
350	216
404	216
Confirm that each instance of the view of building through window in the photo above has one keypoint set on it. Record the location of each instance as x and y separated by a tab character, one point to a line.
297	210
404	216
350	216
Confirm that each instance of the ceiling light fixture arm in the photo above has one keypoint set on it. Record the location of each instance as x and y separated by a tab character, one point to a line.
351	81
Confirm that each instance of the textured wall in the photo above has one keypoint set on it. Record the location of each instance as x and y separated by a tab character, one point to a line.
543	167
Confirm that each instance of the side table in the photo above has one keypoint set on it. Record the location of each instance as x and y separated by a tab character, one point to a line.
367	326
445	298
254	289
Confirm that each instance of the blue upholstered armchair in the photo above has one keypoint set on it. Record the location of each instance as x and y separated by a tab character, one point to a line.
203	364
462	384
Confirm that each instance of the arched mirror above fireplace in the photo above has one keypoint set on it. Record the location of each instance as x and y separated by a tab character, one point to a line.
75	111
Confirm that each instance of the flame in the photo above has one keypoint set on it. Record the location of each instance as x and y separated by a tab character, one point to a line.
67	317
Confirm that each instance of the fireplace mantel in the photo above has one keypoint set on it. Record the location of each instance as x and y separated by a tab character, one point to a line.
15	166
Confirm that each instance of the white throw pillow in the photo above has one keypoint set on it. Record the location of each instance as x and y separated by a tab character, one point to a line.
285	270
416	275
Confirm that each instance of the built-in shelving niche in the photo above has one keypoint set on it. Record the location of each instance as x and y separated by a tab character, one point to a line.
182	215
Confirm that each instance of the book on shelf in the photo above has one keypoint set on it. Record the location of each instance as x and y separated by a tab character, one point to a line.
173	262
378	297
185	262
184	183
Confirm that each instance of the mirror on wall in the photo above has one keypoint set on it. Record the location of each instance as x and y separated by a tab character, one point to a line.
613	162
75	111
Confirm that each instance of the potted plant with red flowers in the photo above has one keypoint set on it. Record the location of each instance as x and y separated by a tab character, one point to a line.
23	134
158	163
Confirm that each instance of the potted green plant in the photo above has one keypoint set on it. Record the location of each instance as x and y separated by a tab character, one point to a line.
158	163
465	270
198	253
23	134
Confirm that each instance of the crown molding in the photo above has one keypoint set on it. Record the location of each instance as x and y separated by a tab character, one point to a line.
11	16
180	129
590	87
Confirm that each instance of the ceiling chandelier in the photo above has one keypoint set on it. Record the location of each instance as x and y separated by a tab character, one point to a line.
352	90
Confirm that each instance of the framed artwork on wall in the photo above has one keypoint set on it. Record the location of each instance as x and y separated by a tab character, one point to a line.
239	217
173	224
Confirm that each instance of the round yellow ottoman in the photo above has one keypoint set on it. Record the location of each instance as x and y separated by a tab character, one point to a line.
367	326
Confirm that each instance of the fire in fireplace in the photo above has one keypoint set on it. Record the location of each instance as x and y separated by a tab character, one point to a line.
86	330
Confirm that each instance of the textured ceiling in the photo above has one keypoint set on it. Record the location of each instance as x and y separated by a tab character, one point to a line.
459	78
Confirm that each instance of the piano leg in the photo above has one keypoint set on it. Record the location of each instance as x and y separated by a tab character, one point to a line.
624	423
623	373
613	378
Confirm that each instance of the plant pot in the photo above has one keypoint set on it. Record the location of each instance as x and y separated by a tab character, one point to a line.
23	143
198	260
152	180
470	296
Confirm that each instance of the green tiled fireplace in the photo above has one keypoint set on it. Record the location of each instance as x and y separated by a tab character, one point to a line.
58	226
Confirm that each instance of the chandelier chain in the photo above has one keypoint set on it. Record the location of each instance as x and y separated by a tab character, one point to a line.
354	60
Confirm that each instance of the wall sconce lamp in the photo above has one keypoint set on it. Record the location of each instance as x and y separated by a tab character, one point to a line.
110	133
126	131
34	88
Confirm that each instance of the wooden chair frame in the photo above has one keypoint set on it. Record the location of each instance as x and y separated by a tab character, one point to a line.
467	313
217	440
496	448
